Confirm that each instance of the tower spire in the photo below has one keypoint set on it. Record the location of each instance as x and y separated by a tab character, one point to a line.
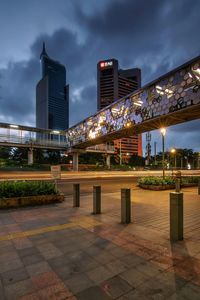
43	53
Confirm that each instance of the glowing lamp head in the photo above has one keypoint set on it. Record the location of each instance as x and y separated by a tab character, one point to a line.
128	124
102	64
173	150
163	131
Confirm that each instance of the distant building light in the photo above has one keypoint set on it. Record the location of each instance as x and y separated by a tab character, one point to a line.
128	124
189	74
55	132
198	71
14	126
92	134
115	110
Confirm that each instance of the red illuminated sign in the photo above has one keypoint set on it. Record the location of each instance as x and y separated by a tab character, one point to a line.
105	64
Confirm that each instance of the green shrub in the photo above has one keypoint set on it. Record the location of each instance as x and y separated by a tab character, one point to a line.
156	180
167	181
10	189
189	179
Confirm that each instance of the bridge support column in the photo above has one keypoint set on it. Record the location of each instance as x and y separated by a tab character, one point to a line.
30	156
108	161
75	161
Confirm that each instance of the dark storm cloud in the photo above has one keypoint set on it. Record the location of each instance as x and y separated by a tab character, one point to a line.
156	35
153	35
17	101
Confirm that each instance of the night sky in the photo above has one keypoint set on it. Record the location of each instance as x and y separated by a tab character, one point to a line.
154	35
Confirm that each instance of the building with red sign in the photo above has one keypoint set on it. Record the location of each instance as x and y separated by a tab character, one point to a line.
112	84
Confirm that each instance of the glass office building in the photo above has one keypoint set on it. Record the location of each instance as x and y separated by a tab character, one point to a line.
52	95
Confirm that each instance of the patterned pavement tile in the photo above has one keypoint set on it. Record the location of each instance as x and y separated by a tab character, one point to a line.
79	282
14	276
99	274
93	293
45	279
38	268
32	259
16	290
57	291
134	277
8	265
116	287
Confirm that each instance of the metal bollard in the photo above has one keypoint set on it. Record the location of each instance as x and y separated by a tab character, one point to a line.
176	216
178	185
76	195
199	186
96	200
125	206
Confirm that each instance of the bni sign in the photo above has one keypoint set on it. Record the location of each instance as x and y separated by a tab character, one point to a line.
105	64
56	172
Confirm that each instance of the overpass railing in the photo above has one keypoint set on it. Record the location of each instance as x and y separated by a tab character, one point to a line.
27	141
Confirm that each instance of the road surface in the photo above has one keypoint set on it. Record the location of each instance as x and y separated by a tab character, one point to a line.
85	175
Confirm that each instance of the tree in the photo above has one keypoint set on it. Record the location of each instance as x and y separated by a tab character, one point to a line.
5	152
91	158
136	161
19	154
53	157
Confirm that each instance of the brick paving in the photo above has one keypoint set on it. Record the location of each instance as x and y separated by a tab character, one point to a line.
61	252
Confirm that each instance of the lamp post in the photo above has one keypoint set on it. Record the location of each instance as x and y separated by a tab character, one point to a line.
173	150
163	132
120	152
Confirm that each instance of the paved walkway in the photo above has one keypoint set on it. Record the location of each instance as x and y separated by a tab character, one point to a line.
61	252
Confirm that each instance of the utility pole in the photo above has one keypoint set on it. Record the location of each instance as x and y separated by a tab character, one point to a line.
155	144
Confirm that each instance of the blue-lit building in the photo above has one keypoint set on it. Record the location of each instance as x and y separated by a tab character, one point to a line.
52	95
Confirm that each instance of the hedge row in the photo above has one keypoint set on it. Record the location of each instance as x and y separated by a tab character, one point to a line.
9	189
167	181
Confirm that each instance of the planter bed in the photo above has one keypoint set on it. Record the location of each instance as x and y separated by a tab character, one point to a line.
30	200
164	186
157	187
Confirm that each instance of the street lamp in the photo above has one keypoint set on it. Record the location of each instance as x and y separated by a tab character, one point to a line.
163	132
120	152
173	151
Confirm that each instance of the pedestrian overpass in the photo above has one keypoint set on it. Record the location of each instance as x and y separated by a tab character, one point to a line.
169	100
13	135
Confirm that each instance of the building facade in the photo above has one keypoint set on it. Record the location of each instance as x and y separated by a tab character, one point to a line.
112	84
52	95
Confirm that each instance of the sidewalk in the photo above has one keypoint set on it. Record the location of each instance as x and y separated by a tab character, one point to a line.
61	252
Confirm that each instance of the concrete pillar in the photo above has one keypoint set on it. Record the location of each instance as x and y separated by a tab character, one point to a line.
30	156
108	160
75	161
176	216
199	187
96	200
76	195
178	185
125	206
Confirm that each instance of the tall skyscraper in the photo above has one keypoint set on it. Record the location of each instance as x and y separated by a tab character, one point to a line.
112	84
52	95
